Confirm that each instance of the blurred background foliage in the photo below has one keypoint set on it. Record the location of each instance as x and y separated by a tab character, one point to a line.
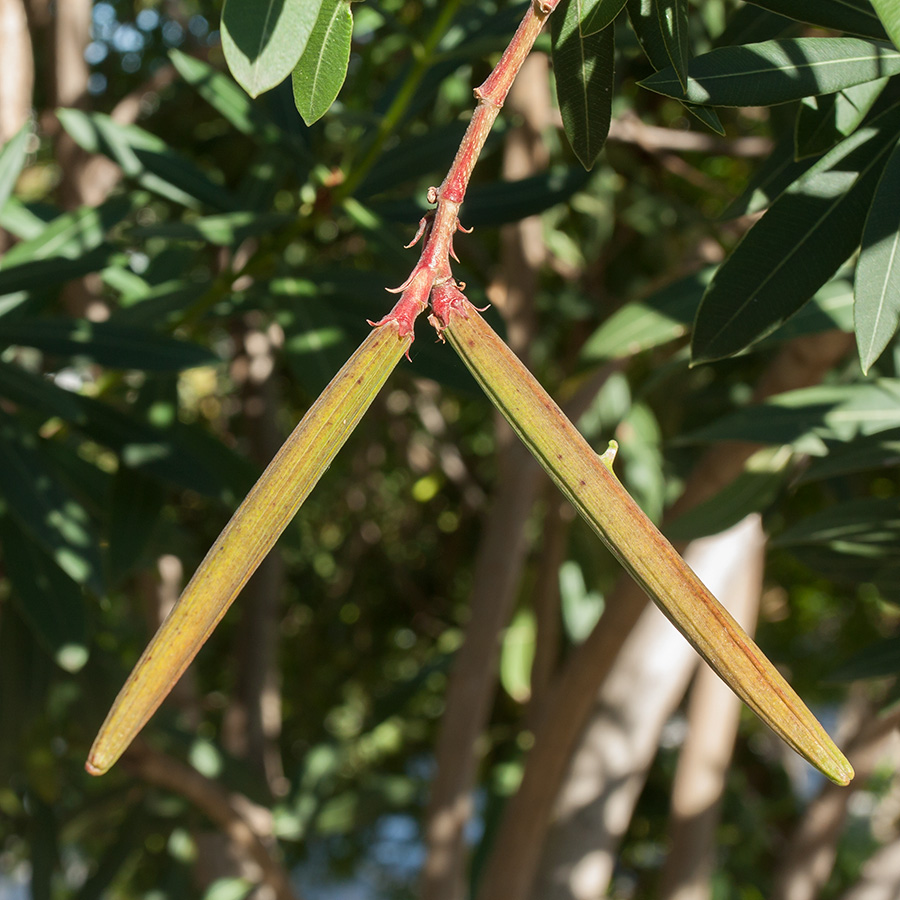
186	268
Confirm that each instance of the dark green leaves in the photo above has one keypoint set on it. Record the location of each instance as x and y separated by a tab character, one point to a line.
877	306
673	22
775	72
263	39
807	233
322	68
583	64
598	14
852	16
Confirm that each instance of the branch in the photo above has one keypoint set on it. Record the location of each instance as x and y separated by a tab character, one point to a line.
247	826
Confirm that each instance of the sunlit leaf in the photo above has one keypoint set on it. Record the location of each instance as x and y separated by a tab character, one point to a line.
583	65
807	233
673	22
517	655
889	14
774	72
878	271
598	14
263	39
12	158
318	76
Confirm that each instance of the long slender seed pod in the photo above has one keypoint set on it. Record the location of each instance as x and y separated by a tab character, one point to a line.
247	538
589	484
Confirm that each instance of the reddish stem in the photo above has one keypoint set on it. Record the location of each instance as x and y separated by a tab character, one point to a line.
433	267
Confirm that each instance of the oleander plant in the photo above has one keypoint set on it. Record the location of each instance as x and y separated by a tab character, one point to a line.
369	368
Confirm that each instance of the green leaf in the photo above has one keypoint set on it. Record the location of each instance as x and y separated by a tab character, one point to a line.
517	656
35	392
646	25
673	23
583	65
811	229
135	504
220	92
12	158
776	173
49	601
40	505
754	490
581	608
43	273
664	316
864	527
810	417
873	451
889	14
146	158
774	72
852	16
263	39
223	230
106	343
878	660
878	271
750	24
72	234
318	76
598	14
824	121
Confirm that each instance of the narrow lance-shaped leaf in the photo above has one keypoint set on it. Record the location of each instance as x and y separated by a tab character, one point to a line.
247	538
599	14
673	22
646	25
263	39
824	121
12	158
852	16
583	65
889	13
796	246
773	72
877	306
322	68
596	493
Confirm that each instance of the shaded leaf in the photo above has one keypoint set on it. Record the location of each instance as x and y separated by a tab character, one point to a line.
12	158
263	39
135	504
673	23
878	270
226	98
36	392
754	490
750	24
34	497
863	528
829	412
224	230
889	14
49	601
146	158
584	68
106	343
43	273
774	72
645	23
776	173
873	451
852	16
72	234
807	233
878	660
824	121
318	76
